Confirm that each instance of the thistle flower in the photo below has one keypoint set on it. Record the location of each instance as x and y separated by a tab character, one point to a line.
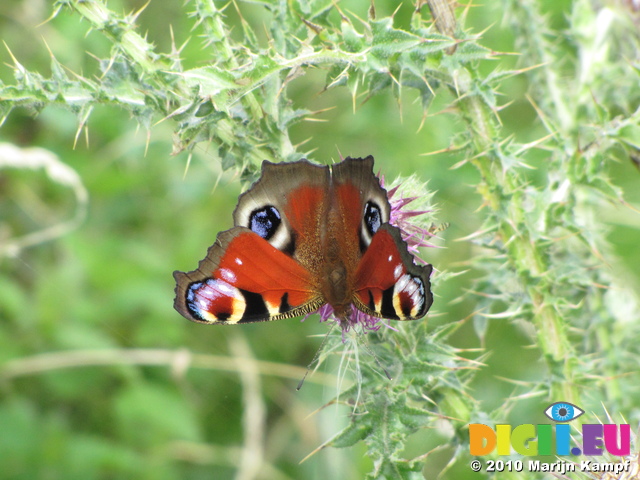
413	232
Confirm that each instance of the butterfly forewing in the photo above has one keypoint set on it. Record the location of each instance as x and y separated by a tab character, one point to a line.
360	198
297	192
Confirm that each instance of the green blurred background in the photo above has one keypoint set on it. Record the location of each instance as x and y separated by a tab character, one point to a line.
107	284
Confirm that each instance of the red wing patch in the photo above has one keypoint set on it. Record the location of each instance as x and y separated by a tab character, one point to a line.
388	283
245	279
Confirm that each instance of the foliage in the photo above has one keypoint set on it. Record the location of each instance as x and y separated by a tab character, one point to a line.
426	373
538	249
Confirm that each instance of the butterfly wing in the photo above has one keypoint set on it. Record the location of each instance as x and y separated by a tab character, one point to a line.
387	282
244	279
361	202
293	195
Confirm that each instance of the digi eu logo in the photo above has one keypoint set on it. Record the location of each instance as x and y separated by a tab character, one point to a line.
532	440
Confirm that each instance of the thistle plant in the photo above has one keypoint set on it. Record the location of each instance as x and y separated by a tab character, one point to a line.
541	249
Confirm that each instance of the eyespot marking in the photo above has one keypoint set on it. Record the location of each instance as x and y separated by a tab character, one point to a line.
372	217
265	221
214	300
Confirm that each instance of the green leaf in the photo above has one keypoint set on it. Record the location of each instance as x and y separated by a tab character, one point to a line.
352	40
388	41
350	435
402	470
210	80
630	135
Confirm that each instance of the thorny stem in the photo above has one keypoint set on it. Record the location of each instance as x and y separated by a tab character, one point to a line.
502	190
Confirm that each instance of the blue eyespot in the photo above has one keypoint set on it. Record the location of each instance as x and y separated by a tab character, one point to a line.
563	412
372	217
265	221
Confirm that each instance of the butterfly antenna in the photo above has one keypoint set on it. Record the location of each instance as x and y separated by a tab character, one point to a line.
315	357
375	357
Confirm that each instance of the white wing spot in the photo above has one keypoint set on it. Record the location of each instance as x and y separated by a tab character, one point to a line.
238	261
227	275
397	272
207	290
390	258
402	281
226	289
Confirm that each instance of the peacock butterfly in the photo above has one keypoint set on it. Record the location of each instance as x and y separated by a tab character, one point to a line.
307	235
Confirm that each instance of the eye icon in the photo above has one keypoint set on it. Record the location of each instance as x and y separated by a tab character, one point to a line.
563	412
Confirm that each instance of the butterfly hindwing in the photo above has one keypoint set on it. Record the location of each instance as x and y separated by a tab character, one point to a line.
244	279
387	282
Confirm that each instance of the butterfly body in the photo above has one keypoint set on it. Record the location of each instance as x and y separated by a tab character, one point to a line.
304	236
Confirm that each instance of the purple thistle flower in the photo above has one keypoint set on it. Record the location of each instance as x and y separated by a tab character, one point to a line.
413	234
367	322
